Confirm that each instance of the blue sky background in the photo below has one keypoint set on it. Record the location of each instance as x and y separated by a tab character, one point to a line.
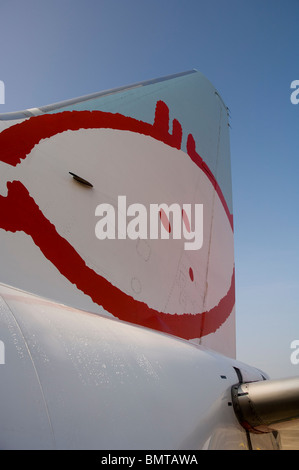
54	50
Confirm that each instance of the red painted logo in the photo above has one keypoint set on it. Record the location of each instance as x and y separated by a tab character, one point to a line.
19	212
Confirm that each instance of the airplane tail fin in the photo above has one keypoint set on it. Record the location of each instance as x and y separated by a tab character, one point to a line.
120	203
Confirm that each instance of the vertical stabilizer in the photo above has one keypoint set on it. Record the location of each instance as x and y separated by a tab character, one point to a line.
120	203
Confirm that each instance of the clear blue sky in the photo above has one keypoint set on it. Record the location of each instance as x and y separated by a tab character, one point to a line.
52	50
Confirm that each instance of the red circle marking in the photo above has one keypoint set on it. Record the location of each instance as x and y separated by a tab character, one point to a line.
16	143
186	221
165	221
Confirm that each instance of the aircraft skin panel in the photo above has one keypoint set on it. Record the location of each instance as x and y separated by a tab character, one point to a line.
78	370
92	382
142	146
22	399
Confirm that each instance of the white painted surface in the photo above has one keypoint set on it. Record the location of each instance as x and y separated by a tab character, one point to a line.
74	380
